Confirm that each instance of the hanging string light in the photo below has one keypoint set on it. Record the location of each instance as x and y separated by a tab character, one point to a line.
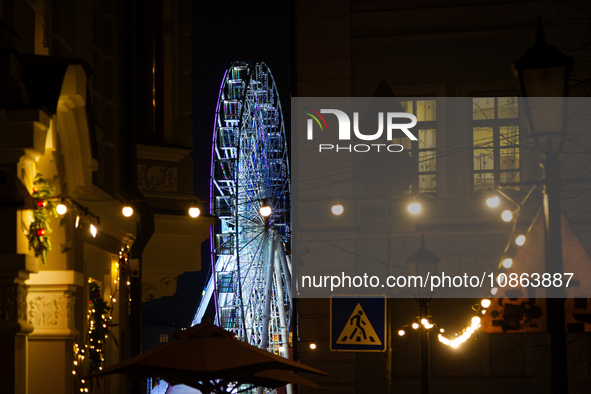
458	338
77	369
463	336
99	320
516	240
127	211
123	261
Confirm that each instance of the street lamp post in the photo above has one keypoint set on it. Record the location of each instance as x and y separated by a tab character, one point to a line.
421	263
543	72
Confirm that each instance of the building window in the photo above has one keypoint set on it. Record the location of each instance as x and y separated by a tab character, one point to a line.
495	133
163	338
423	151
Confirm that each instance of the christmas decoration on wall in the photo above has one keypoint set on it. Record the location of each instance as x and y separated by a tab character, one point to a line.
99	321
79	355
122	264
39	227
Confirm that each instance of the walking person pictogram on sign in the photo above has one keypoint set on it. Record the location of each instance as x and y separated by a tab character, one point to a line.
359	330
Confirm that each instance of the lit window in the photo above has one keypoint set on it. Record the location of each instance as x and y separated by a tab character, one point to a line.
423	151
495	133
163	338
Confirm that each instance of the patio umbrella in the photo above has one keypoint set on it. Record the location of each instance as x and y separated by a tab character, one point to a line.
210	357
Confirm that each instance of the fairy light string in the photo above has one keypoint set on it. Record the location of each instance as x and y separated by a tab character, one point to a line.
99	320
90	357
459	338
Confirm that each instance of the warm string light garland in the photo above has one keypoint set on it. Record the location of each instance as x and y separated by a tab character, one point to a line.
56	206
79	355
458	338
463	337
99	321
63	205
123	263
516	239
83	214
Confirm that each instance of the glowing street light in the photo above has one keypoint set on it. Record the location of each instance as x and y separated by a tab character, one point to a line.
127	211
337	209
414	208
61	209
493	202
93	230
485	303
265	210
507	215
194	212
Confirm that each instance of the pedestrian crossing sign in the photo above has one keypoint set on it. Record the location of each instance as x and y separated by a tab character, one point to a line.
358	324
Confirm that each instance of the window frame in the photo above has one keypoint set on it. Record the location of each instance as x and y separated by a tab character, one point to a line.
416	150
496	124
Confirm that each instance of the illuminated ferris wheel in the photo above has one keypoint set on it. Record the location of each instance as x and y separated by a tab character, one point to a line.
250	194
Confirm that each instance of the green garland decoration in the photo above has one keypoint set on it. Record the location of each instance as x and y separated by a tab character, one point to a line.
99	321
39	228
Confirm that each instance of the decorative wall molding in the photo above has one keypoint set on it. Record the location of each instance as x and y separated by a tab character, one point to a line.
157	178
14	271
51	310
13	306
165	287
50	303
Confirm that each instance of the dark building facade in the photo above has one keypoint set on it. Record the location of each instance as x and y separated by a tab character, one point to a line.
422	51
95	109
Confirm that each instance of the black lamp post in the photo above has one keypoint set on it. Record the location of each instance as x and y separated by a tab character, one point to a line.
421	263
543	77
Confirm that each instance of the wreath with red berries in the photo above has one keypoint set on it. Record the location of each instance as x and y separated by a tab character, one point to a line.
39	227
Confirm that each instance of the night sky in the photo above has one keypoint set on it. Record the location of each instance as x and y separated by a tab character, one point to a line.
226	32
222	33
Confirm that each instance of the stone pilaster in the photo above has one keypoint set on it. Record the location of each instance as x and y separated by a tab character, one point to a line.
50	310
14	270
